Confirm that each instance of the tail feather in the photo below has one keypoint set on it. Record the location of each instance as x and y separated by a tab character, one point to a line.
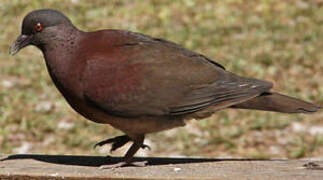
271	101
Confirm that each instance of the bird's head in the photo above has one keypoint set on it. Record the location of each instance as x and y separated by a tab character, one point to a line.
36	28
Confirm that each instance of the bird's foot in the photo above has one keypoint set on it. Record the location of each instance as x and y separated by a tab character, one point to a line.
124	164
118	142
128	158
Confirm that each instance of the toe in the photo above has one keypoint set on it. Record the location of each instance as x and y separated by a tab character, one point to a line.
145	146
124	164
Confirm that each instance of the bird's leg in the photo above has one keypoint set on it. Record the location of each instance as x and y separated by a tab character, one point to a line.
117	142
127	160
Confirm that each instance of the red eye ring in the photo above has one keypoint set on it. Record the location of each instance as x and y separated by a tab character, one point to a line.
38	27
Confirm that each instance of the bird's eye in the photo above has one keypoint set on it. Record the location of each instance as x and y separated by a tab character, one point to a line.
38	27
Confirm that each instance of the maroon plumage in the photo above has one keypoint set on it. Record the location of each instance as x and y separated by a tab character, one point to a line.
137	83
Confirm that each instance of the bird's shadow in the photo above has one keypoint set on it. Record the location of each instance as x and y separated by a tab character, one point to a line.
96	161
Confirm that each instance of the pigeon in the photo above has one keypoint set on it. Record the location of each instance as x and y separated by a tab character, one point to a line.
140	84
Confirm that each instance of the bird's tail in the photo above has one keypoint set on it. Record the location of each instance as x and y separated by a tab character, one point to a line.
271	101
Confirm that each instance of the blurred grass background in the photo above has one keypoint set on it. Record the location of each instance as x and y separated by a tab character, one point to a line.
279	41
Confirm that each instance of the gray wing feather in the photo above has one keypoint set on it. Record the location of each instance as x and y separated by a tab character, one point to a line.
220	94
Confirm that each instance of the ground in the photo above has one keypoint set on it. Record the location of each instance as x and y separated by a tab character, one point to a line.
278	41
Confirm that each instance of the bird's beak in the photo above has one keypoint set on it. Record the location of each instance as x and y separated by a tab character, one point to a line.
21	42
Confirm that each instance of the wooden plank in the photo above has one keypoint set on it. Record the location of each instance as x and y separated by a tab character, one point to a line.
34	166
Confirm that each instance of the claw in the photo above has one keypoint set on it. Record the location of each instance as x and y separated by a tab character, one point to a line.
145	146
98	144
101	143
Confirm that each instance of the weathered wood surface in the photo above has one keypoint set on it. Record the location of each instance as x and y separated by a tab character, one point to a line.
31	166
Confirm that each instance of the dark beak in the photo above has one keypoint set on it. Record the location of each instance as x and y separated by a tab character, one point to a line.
21	42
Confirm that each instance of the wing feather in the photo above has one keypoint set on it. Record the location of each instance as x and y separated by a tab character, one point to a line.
222	94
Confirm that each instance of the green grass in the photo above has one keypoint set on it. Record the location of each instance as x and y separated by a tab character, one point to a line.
278	41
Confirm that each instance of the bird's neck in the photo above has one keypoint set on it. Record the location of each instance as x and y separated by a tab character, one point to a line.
60	38
59	49
59	55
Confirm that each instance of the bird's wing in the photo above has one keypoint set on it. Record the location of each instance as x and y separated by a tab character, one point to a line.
220	94
153	77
